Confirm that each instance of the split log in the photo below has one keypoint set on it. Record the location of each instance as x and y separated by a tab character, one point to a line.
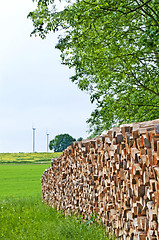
115	175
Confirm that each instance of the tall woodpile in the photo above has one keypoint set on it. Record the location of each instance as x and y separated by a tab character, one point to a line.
115	175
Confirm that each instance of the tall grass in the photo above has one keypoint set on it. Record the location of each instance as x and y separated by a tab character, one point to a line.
30	219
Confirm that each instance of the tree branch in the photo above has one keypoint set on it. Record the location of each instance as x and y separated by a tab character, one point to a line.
151	9
144	105
144	64
117	10
140	84
140	6
148	14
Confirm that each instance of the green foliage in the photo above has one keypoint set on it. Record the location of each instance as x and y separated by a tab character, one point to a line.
80	139
114	48
61	142
30	219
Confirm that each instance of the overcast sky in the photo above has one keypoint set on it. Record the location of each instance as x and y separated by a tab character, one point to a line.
35	89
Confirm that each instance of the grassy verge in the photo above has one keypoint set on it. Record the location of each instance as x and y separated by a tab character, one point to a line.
30	219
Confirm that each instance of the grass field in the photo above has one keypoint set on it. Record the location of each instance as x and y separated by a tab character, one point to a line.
22	213
21	180
27	157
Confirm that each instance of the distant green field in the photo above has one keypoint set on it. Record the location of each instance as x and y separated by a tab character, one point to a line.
27	157
21	180
21	173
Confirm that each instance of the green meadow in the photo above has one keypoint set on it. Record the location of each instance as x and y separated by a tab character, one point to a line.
20	173
27	157
22	213
21	180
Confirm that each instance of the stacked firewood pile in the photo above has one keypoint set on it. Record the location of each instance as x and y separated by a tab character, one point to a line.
115	175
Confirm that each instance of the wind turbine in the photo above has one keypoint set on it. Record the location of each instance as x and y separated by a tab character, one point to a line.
47	139
33	128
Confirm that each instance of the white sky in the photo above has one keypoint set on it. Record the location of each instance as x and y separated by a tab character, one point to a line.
35	88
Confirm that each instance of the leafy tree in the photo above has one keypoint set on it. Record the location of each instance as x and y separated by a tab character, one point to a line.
114	48
61	142
80	139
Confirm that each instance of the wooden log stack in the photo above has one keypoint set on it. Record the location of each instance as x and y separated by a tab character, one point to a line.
115	175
